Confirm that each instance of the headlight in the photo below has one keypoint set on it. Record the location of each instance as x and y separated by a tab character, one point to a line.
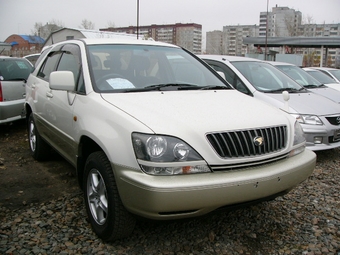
308	119
166	155
299	140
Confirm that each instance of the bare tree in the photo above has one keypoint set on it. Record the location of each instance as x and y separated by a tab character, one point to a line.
45	30
290	26
308	20
110	24
86	24
308	59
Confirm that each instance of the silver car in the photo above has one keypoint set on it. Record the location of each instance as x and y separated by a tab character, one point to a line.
331	72
13	75
308	81
153	131
319	116
323	78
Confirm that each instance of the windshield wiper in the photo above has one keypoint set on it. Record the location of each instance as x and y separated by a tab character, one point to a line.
284	89
314	86
171	86
214	87
160	87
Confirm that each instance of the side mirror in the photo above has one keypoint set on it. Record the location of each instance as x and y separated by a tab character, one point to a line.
286	98
221	74
62	80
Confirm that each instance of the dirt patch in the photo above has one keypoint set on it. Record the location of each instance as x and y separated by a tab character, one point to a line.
24	180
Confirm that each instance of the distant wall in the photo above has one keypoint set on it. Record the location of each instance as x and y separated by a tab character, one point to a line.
290	58
294	59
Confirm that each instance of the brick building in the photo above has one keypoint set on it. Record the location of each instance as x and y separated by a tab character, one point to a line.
24	44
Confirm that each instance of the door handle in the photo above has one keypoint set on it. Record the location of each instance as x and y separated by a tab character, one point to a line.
49	94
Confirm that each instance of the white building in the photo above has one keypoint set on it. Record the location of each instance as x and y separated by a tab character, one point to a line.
74	33
230	40
188	35
214	41
282	22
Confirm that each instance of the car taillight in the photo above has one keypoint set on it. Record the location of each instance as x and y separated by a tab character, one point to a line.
1	98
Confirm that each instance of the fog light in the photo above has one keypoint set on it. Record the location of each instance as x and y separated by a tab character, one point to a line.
317	139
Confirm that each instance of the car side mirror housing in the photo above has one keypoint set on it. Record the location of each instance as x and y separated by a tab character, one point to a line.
221	74
62	80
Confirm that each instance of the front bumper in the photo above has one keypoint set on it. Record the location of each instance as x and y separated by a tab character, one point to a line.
182	196
323	137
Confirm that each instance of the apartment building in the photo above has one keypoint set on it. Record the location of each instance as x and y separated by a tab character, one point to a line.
282	22
214	42
230	40
233	38
188	36
330	56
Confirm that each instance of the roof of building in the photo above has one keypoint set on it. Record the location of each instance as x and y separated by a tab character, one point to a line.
90	34
305	42
33	39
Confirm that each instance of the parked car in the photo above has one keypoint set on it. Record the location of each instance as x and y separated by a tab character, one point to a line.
319	116
32	58
332	72
13	75
323	78
153	131
308	81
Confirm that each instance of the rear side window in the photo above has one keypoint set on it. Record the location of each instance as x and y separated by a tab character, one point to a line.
14	69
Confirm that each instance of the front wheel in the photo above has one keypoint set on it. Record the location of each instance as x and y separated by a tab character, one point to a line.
108	217
38	147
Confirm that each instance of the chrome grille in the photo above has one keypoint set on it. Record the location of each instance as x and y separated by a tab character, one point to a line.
334	120
242	143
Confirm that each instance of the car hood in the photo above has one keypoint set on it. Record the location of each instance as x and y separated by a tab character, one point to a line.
303	103
335	86
327	92
196	111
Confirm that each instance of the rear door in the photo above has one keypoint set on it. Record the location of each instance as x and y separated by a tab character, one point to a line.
13	75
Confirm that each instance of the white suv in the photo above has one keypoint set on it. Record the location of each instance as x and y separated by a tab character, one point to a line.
153	131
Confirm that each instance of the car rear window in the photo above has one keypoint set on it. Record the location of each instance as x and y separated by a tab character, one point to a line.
14	69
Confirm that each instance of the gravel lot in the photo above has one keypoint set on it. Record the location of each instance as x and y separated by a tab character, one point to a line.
47	216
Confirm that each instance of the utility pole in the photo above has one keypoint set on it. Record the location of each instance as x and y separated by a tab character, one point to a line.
137	19
265	50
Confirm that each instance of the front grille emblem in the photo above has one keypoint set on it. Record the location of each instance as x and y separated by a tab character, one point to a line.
338	120
258	140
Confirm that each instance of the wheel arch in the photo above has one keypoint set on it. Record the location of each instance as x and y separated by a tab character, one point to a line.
86	147
28	111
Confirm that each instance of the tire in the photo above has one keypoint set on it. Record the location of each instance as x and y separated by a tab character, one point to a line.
108	217
38	147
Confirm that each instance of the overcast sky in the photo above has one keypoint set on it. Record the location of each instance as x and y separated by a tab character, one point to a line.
19	16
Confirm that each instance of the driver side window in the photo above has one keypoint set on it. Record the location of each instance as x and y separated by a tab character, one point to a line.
70	61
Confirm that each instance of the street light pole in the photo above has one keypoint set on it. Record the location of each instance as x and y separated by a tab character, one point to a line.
137	19
265	50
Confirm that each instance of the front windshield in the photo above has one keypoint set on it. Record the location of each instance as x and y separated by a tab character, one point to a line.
300	76
320	76
131	68
265	77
